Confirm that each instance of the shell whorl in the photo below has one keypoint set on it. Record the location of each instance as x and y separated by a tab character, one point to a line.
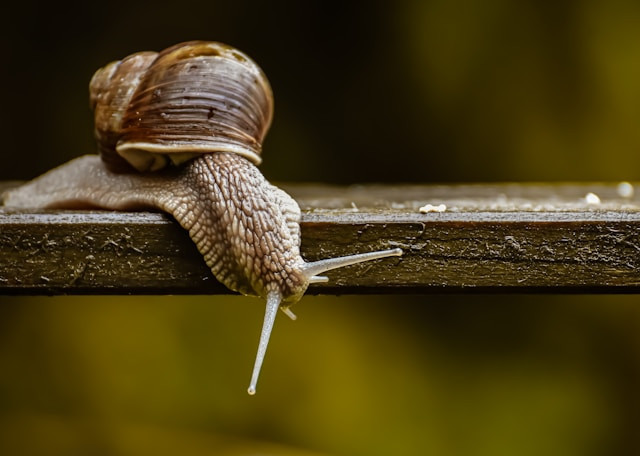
152	109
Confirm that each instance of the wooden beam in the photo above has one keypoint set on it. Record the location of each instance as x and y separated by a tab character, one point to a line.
488	238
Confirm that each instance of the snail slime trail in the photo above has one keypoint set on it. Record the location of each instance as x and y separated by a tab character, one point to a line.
160	147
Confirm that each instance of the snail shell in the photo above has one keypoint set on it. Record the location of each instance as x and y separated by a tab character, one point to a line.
155	109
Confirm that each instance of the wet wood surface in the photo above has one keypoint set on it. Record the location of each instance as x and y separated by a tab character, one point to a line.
578	238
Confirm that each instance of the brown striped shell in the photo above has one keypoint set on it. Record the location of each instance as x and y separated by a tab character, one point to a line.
155	109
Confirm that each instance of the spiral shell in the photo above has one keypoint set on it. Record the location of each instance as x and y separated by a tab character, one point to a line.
152	109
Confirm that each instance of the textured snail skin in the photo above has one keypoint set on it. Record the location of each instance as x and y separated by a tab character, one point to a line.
245	228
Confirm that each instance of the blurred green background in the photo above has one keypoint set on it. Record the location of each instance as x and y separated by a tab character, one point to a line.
402	91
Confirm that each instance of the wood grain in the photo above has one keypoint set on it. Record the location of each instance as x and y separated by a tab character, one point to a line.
490	238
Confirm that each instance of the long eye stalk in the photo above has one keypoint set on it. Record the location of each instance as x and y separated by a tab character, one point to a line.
273	302
318	267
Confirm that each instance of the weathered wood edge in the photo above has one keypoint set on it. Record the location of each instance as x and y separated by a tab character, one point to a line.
508	238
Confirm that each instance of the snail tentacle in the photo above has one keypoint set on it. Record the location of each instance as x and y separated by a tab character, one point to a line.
317	267
274	298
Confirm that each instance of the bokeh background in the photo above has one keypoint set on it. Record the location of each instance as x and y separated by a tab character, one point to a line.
403	91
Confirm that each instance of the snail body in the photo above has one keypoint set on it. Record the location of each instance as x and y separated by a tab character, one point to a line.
181	131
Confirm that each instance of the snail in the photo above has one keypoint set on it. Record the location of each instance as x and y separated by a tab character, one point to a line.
181	131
